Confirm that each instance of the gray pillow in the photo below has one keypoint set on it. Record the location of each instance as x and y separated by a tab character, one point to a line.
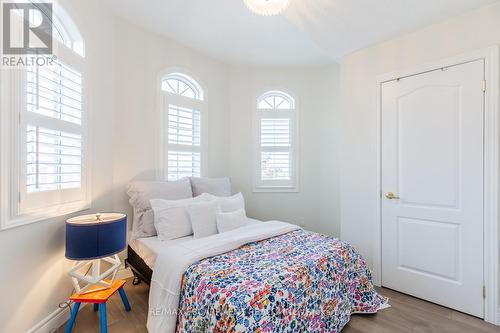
220	187
142	192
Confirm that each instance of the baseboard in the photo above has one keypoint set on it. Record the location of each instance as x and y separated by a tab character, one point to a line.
57	318
52	322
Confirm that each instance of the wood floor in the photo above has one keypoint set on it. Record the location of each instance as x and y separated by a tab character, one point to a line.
407	314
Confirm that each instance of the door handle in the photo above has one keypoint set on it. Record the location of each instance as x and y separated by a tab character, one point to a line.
391	196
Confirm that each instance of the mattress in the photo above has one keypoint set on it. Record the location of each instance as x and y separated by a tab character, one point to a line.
149	247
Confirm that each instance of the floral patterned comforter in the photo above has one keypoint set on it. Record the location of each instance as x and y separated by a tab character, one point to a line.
297	282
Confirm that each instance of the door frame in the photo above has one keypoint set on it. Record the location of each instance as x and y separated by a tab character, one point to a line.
491	57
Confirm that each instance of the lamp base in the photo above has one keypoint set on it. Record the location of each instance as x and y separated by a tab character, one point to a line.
95	278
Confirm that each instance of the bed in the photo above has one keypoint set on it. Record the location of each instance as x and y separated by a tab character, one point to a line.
142	253
264	277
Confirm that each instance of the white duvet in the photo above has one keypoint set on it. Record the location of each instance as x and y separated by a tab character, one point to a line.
175	259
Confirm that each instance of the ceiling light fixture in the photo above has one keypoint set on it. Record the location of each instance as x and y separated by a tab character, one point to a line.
267	7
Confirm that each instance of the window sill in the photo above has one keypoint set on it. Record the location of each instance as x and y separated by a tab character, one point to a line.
275	189
34	217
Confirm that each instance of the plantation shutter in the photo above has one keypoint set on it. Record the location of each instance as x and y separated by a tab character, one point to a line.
182	105
184	139
276	144
44	123
53	139
275	149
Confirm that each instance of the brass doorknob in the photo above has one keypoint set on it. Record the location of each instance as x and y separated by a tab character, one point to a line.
391	196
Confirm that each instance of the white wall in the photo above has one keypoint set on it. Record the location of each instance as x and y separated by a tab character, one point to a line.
329	161
33	267
123	63
316	90
140	57
475	30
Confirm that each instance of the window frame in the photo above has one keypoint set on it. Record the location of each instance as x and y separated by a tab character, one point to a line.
13	144
200	104
271	186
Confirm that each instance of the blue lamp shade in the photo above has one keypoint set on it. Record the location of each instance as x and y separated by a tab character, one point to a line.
95	236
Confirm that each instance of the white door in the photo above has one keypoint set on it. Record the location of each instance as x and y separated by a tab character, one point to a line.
432	163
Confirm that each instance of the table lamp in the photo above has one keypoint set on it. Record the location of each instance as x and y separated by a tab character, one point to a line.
90	239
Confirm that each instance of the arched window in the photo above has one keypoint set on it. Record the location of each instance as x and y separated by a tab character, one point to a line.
64	30
276	100
276	153
183	85
183	109
48	169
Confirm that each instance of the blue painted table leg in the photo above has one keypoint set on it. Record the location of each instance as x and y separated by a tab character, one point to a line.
96	307
124	299
104	324
71	322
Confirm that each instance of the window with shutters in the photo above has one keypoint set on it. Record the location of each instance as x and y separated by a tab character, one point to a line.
183	134
276	143
44	169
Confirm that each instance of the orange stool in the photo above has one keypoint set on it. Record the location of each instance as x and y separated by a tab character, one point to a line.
99	297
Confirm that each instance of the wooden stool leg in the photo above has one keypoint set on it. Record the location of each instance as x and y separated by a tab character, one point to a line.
124	299
71	322
104	324
96	307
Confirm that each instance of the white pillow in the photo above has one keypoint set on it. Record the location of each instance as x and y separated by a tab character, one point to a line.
142	192
171	217
231	204
220	187
230	221
203	221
